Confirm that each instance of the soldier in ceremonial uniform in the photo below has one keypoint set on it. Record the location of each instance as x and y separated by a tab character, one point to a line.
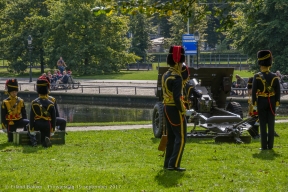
42	113
254	130
174	109
266	98
13	112
60	122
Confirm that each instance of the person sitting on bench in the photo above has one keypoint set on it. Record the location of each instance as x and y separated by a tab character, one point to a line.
64	80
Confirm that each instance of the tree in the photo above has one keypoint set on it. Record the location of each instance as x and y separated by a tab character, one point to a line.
140	28
262	24
64	28
17	23
214	35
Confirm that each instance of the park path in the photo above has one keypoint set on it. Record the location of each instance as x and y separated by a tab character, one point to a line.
88	86
127	127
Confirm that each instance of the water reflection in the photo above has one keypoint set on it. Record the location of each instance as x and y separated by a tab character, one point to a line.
92	113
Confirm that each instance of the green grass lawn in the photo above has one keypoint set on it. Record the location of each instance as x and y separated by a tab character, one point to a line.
128	160
122	75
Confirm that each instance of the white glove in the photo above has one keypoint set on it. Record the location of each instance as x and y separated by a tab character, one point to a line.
189	112
4	130
32	133
51	134
255	108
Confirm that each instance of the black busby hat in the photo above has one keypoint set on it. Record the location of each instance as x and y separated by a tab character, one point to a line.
176	55
264	58
250	82
11	85
185	72
43	86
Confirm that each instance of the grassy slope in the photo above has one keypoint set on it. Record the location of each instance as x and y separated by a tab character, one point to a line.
129	161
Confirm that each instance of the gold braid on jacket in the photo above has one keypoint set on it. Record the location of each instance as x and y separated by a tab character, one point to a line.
168	95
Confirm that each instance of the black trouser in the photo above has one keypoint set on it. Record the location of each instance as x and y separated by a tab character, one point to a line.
176	133
44	127
61	123
266	110
13	128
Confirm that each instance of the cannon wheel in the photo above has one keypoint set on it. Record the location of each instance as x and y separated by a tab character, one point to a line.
235	107
158	120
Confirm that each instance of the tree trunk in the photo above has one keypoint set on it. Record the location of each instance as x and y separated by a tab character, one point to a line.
42	60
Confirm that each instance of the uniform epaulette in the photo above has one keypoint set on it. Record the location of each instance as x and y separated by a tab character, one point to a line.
51	98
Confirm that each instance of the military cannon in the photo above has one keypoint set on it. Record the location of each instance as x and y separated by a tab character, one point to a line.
220	119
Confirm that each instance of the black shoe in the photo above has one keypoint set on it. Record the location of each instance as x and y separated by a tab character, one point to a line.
256	137
170	168
276	134
180	169
48	142
34	144
175	169
262	149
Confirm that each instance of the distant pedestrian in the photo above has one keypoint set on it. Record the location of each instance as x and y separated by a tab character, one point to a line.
240	82
266	98
61	65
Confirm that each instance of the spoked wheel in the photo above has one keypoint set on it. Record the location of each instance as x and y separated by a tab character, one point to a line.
235	107
158	120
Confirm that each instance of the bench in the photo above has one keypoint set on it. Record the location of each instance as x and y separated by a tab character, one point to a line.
139	66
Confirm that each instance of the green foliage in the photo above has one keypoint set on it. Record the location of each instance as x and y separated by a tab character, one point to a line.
128	160
261	25
64	28
140	27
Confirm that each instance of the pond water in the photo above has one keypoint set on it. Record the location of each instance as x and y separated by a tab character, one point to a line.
92	113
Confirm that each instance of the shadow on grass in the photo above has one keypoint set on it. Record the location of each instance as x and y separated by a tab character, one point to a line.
163	176
201	140
11	147
155	140
266	155
190	140
5	145
30	149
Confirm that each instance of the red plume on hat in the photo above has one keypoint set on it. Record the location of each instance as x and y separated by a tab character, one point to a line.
11	85
176	55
